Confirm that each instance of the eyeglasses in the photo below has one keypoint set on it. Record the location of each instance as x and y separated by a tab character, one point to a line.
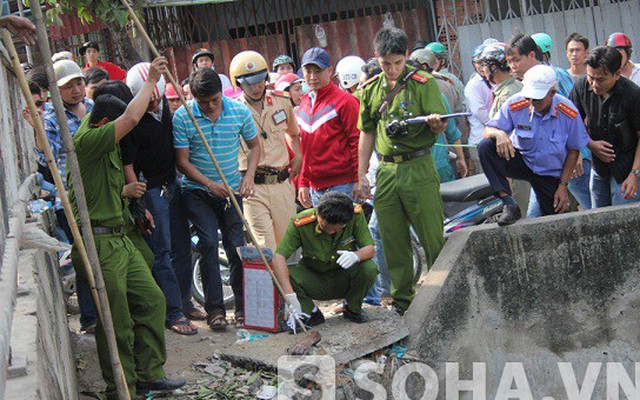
39	103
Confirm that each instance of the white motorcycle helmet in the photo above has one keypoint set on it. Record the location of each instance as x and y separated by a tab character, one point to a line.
349	70
137	76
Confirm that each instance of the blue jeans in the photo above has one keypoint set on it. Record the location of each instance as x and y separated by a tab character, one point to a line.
578	186
209	213
171	245
606	191
382	287
347	189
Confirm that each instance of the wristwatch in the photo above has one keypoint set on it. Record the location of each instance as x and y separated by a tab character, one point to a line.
636	172
564	183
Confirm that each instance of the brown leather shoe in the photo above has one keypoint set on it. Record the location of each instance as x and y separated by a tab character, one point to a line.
510	214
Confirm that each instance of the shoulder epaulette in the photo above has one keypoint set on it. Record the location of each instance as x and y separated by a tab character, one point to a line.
420	78
567	110
519	105
304	220
281	94
357	209
368	81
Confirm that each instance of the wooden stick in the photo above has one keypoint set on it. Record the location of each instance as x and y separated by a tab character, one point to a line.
155	52
87	248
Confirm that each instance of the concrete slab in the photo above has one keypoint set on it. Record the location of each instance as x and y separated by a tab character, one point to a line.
558	296
342	339
18	367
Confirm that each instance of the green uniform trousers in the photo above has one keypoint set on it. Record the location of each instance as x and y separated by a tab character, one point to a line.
350	284
138	311
408	194
138	241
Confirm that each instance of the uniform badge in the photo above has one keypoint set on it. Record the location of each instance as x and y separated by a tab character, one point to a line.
518	105
420	78
523	127
269	101
279	117
347	241
567	110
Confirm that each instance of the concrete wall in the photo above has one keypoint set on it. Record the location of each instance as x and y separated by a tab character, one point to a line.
51	351
540	292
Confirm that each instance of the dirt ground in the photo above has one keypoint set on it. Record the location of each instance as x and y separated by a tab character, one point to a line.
195	359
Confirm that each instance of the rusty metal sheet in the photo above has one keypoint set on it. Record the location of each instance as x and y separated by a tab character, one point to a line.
72	26
224	50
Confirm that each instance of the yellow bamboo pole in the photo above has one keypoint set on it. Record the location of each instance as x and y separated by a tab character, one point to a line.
87	250
170	78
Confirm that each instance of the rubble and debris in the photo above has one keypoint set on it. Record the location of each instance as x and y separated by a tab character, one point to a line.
304	347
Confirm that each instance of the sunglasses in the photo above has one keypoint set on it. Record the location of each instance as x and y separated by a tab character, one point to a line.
39	103
534	101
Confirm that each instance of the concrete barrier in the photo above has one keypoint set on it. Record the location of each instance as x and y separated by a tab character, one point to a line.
535	303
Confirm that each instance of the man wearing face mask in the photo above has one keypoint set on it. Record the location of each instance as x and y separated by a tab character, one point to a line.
543	148
272	205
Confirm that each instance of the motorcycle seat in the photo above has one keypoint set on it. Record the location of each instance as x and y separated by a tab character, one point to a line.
468	189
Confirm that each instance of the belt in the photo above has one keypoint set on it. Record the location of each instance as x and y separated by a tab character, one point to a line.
398	158
104	230
270	176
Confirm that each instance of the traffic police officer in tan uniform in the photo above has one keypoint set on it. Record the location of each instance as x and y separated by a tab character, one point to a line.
272	205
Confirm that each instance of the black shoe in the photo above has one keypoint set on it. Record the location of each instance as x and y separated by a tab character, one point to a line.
315	319
358	318
161	385
398	310
510	214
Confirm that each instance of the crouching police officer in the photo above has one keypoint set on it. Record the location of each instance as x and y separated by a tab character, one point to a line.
337	252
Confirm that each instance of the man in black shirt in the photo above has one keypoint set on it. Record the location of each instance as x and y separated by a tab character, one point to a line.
148	150
610	105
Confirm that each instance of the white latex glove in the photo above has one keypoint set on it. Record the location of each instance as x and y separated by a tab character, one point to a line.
294	306
295	311
347	259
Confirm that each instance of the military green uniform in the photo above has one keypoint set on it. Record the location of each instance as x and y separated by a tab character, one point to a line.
317	276
137	304
407	193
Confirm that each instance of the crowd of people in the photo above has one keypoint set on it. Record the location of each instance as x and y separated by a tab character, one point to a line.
302	147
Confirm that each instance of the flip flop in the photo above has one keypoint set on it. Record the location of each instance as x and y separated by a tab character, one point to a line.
195	314
239	320
183	322
217	322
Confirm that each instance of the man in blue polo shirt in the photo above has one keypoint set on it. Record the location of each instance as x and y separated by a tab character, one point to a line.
543	148
225	123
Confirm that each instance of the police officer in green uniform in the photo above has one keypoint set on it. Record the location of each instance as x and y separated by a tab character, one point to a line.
136	302
407	183
337	252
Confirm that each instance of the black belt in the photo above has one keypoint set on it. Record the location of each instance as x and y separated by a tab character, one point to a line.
104	230
398	158
270	176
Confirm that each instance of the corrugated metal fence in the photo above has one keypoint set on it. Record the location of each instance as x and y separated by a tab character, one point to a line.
463	24
275	27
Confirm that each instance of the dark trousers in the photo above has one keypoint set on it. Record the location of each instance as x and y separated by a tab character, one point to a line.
171	245
497	170
209	213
